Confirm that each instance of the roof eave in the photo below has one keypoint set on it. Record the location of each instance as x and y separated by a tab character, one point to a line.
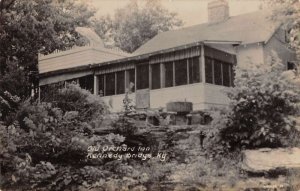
222	42
137	57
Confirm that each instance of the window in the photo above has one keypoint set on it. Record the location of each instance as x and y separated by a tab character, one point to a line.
110	84
101	85
291	66
208	70
231	76
180	72
194	73
168	74
120	82
155	76
131	79
226	74
218	72
142	76
87	82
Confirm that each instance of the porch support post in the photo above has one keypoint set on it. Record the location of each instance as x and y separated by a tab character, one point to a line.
96	84
116	85
188	71
135	77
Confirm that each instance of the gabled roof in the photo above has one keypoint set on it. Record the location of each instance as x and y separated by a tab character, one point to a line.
93	52
247	28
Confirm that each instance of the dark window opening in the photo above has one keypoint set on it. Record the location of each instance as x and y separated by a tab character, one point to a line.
155	76
87	82
231	76
50	92
291	66
226	74
180	72
208	70
120	82
168	74
218	72
142	76
110	84
131	79
194	72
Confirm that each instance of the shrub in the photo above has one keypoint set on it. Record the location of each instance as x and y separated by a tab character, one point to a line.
8	106
48	151
265	103
73	98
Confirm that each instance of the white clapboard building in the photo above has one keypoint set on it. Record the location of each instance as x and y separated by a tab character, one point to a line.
190	64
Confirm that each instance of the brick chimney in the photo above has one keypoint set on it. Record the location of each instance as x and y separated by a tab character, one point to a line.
218	11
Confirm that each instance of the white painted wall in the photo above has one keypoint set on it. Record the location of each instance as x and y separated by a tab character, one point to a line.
191	93
250	52
214	96
203	96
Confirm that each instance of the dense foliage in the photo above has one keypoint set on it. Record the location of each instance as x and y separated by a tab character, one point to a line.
31	27
48	144
134	25
265	108
47	149
8	106
288	12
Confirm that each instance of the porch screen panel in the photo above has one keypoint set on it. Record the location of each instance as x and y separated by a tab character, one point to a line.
208	70
142	76
226	74
131	78
101	85
218	72
110	84
168	74
120	82
87	82
232	76
180	72
155	76
194	72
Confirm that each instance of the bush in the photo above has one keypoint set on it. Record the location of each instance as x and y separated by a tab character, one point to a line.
8	106
48	150
73	98
15	81
264	108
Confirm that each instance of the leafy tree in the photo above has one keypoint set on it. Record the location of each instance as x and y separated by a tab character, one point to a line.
134	25
265	107
34	26
103	27
288	12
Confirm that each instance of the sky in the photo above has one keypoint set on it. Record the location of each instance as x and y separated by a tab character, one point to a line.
191	12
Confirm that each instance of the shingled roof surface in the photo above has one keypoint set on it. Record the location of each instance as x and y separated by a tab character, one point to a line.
247	28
